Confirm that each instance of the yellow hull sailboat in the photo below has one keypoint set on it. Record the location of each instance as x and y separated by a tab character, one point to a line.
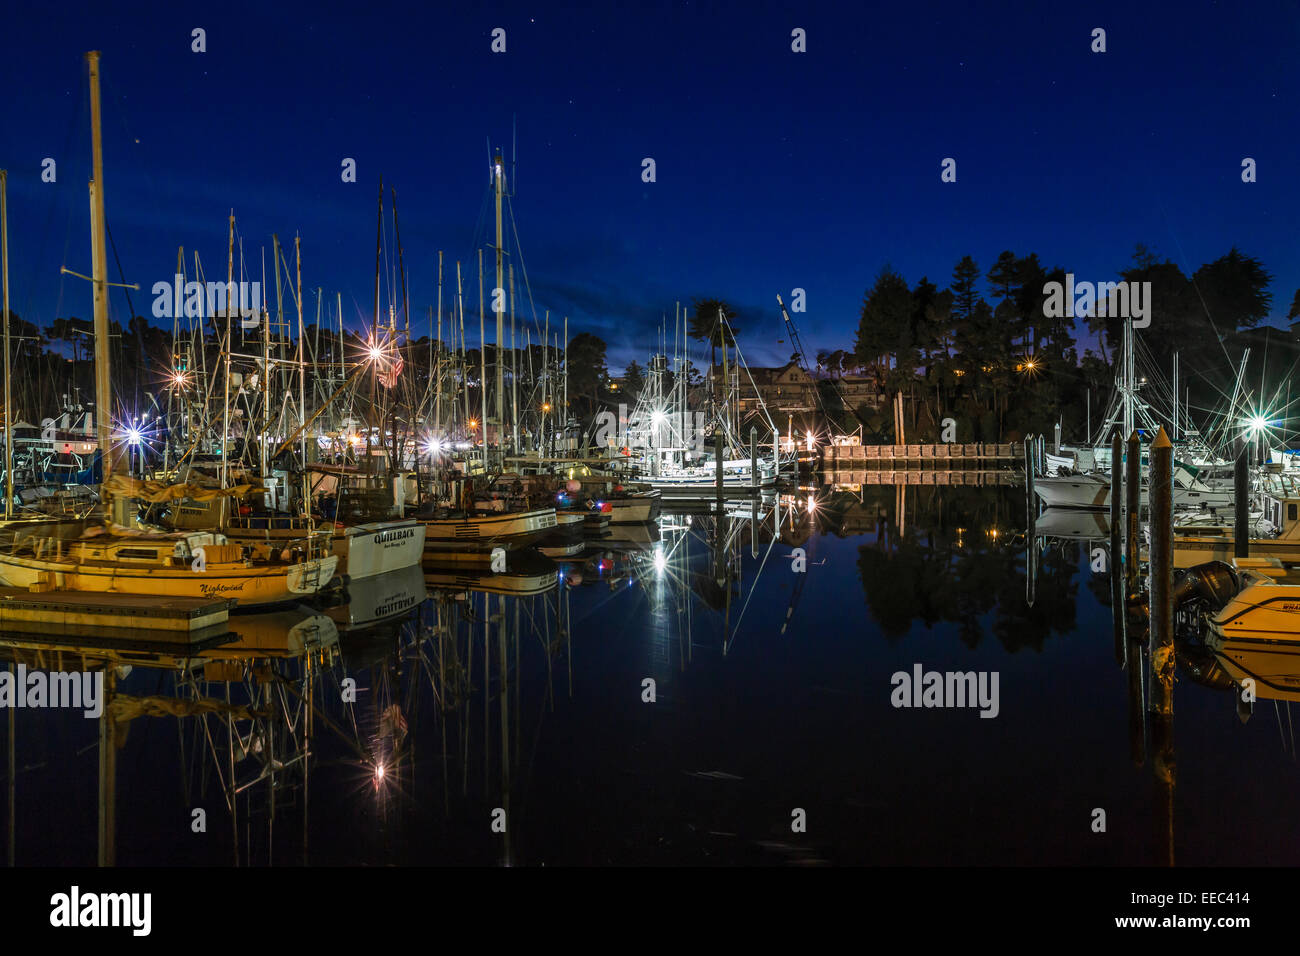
110	558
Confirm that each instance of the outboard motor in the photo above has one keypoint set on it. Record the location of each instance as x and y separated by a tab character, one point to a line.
1213	584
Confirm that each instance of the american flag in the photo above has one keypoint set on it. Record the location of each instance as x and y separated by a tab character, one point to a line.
388	371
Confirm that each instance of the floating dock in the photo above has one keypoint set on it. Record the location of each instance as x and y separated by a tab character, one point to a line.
74	616
950	456
841	477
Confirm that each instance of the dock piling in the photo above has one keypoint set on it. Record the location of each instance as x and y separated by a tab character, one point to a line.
1161	576
1241	505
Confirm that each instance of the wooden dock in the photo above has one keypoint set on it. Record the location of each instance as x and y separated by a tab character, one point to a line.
73	616
947	456
842	477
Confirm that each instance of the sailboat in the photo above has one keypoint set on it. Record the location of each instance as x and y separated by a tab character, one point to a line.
108	557
1195	486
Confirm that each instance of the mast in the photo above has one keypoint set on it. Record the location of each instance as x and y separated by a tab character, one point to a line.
499	180
514	370
225	405
437	376
482	360
9	367
110	458
302	374
566	383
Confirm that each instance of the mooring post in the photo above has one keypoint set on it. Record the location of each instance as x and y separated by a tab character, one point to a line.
1241	504
717	448
1116	555
1030	510
1133	491
1160	483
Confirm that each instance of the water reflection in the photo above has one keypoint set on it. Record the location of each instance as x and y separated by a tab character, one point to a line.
453	714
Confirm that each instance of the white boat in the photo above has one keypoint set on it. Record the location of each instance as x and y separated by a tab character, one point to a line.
364	550
483	531
1092	491
1266	606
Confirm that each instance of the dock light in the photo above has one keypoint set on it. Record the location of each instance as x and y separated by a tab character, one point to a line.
1257	423
661	562
375	353
432	446
546	406
657	417
473	424
133	436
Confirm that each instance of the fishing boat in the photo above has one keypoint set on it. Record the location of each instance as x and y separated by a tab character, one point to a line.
477	533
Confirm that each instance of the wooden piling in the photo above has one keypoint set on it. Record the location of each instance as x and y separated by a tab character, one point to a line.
1241	505
718	472
1160	481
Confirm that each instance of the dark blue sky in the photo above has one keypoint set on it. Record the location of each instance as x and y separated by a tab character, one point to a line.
775	170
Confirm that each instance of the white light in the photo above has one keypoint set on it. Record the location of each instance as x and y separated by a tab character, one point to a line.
1258	423
376	353
661	562
657	418
133	436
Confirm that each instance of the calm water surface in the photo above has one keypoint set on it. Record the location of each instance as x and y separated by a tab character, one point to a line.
772	695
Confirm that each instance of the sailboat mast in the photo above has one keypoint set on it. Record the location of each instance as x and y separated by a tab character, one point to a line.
514	370
225	404
436	370
109	457
482	359
9	367
498	166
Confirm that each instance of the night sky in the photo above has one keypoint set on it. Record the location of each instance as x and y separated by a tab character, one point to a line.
775	169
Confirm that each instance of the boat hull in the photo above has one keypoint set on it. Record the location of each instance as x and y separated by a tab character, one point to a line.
483	532
249	586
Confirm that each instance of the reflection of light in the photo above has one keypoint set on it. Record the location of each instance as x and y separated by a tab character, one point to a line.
811	504
379	775
810	440
993	533
661	562
354	440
